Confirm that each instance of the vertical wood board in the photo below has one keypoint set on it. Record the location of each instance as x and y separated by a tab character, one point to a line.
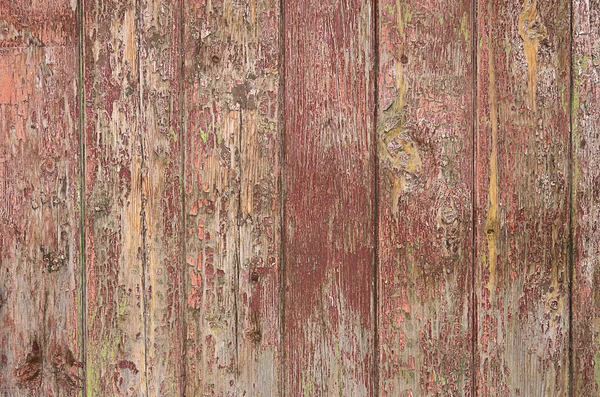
328	231
586	197
425	197
522	189
40	265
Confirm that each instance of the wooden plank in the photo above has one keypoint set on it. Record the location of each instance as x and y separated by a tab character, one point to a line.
522	188
159	28
231	194
114	192
425	151
258	298
586	201
214	39
329	193
40	265
212	33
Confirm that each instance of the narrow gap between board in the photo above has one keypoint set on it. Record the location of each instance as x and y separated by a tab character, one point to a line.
182	141
571	196
375	49
282	214
82	245
474	330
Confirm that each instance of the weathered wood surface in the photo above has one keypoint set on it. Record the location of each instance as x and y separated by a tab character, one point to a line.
134	241
586	197
335	197
329	198
258	307
425	193
40	264
114	260
522	198
159	40
232	197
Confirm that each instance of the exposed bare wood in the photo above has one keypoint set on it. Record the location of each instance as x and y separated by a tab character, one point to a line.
258	306
159	27
425	197
522	193
115	183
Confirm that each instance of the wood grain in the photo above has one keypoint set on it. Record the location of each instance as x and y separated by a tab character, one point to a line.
329	197
40	264
232	197
522	189
425	153
116	362
586	198
212	38
159	27
258	297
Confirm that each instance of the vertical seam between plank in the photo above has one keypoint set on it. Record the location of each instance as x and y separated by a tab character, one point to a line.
474	331
182	265
82	246
375	43
282	214
238	257
570	221
143	182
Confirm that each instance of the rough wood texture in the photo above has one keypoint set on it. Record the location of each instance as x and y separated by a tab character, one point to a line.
133	198
522	188
586	197
425	194
425	239
232	197
329	195
114	208
258	306
159	27
40	266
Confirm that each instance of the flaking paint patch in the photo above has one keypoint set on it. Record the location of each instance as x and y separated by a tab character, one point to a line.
399	153
532	31
400	101
400	156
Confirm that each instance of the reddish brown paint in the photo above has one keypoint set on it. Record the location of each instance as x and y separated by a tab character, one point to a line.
183	228
425	197
40	266
586	197
328	185
522	193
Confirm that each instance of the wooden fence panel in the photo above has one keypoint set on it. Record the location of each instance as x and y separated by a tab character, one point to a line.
329	197
586	197
522	187
317	197
425	135
40	264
